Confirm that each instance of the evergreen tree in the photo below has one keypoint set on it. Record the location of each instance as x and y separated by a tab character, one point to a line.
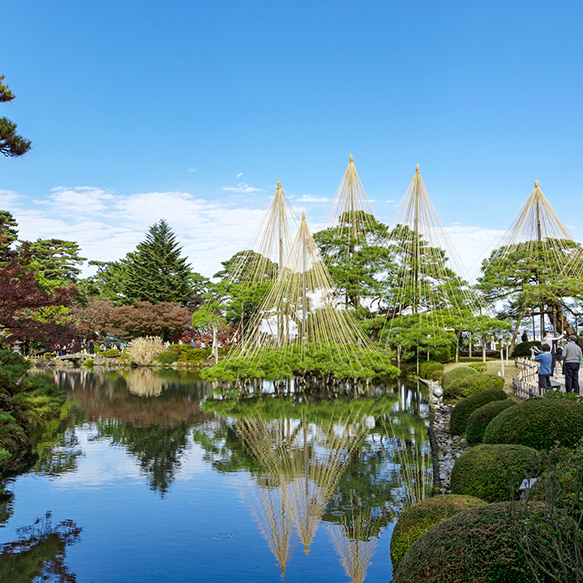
156	272
56	262
11	144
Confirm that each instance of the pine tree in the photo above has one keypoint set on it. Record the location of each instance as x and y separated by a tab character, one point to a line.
11	144
156	272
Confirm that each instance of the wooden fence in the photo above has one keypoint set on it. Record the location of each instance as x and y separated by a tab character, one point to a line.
525	383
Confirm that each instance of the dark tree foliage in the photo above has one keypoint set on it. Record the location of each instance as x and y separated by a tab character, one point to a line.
156	272
29	312
147	319
11	144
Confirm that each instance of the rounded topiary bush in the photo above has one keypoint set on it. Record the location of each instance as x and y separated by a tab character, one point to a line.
456	373
523	349
461	412
480	419
480	545
416	520
538	423
468	385
494	472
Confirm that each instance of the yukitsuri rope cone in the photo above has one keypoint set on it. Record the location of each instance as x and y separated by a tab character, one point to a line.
301	330
426	293
538	239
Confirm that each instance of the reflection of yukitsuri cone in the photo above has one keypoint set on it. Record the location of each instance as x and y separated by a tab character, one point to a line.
144	382
275	522
304	465
356	552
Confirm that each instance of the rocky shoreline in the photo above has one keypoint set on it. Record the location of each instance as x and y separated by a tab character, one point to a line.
449	447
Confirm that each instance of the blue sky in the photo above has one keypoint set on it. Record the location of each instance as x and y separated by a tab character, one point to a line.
191	111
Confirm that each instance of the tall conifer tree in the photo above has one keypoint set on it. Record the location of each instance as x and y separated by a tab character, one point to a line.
156	271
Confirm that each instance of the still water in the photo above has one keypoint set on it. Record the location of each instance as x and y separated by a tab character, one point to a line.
148	478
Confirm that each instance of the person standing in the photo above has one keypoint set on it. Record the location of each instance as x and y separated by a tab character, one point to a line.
524	337
545	359
572	356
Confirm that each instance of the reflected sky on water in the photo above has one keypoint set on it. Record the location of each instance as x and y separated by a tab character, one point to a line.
160	482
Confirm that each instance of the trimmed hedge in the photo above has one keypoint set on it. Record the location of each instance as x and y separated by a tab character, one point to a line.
469	385
479	366
431	370
481	417
416	520
456	373
479	545
523	348
494	472
461	412
538	423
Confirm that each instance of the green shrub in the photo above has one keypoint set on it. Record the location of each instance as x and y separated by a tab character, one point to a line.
523	349
168	357
456	373
479	366
494	472
424	366
435	372
481	417
416	520
461	412
538	423
89	362
559	395
562	479
468	385
480	545
110	353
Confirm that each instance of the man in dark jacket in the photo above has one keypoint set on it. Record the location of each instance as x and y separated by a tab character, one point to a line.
572	357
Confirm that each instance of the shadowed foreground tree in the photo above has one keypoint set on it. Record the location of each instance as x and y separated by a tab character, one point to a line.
11	144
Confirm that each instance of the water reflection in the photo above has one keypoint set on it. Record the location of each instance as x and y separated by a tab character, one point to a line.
39	553
343	463
310	465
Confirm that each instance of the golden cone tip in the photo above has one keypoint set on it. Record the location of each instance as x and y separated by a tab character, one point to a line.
417	169
536	183
351	158
303	216
279	184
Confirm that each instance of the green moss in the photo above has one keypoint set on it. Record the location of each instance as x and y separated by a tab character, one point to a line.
464	408
456	373
479	545
419	518
481	418
494	472
431	370
538	423
111	353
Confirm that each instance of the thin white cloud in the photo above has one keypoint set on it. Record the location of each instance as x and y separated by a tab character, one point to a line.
192	170
389	201
239	175
108	226
9	200
242	188
312	198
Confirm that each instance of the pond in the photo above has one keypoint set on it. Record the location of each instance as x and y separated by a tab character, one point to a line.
149	477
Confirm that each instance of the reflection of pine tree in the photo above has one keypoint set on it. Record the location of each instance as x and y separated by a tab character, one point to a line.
39	553
158	449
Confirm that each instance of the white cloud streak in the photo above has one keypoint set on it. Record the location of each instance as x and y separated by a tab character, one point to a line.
242	188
